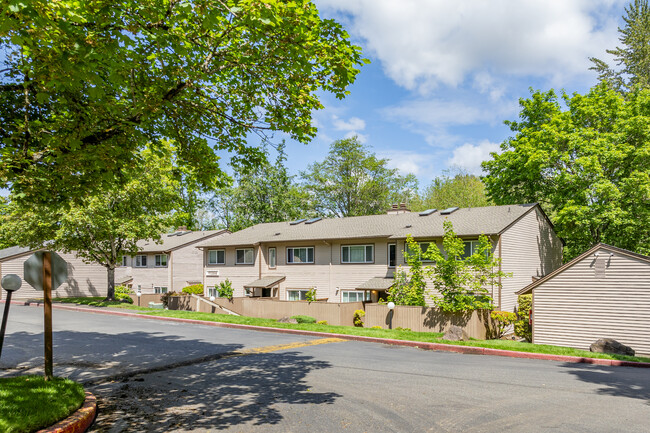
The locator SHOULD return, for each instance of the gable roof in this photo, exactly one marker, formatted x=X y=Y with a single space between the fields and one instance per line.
x=581 y=257
x=468 y=222
x=178 y=239
x=10 y=252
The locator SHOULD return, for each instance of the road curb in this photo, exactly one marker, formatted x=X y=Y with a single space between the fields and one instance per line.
x=441 y=347
x=79 y=421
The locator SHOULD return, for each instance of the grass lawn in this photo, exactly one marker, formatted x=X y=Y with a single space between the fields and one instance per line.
x=96 y=302
x=428 y=337
x=29 y=403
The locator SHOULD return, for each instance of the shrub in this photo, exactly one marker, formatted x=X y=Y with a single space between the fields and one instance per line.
x=304 y=319
x=523 y=329
x=310 y=296
x=358 y=314
x=322 y=322
x=165 y=297
x=501 y=320
x=225 y=289
x=195 y=289
x=122 y=294
x=399 y=328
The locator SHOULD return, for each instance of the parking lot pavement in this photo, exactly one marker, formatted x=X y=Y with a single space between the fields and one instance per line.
x=154 y=379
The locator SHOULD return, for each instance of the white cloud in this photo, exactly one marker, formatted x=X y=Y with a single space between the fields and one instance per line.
x=469 y=156
x=409 y=162
x=425 y=43
x=361 y=137
x=352 y=124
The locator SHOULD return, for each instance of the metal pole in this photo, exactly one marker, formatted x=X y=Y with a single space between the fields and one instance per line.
x=4 y=320
x=47 y=290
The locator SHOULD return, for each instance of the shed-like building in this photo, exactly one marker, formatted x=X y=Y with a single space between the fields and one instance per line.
x=603 y=293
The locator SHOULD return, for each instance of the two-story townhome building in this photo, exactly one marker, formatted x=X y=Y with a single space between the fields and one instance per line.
x=167 y=265
x=355 y=258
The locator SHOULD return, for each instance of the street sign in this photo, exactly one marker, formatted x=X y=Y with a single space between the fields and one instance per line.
x=33 y=269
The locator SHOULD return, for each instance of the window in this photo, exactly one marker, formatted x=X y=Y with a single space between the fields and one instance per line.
x=141 y=261
x=392 y=255
x=161 y=260
x=158 y=289
x=124 y=260
x=212 y=291
x=470 y=248
x=297 y=295
x=423 y=247
x=357 y=254
x=244 y=256
x=272 y=258
x=355 y=296
x=217 y=257
x=300 y=255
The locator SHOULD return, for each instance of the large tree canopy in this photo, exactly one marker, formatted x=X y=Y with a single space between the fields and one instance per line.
x=352 y=181
x=454 y=187
x=102 y=227
x=84 y=85
x=589 y=166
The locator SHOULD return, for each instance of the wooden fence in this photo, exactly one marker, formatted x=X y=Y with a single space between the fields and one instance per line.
x=146 y=298
x=427 y=319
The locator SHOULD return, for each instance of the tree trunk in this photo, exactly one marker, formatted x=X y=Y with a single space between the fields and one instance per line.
x=110 y=294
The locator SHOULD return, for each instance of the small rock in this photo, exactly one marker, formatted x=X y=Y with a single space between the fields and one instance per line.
x=287 y=320
x=455 y=333
x=609 y=345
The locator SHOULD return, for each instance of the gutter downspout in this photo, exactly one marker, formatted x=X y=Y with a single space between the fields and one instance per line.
x=170 y=272
x=500 y=259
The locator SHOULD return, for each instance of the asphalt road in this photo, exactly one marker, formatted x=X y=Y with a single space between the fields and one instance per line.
x=169 y=377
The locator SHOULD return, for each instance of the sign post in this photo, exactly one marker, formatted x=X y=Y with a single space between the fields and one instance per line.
x=46 y=270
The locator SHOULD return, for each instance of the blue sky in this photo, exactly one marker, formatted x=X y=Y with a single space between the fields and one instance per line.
x=444 y=75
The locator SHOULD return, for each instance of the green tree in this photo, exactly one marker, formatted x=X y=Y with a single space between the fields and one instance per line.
x=262 y=194
x=454 y=188
x=85 y=84
x=410 y=284
x=633 y=58
x=588 y=165
x=103 y=227
x=463 y=281
x=352 y=181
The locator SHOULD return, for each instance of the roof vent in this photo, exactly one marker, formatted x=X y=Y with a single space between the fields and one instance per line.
x=277 y=234
x=408 y=226
x=397 y=209
x=313 y=220
x=427 y=212
x=296 y=222
x=449 y=210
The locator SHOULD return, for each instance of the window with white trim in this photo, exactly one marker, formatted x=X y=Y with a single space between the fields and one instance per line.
x=160 y=260
x=160 y=289
x=273 y=259
x=124 y=260
x=217 y=257
x=357 y=254
x=471 y=247
x=244 y=256
x=300 y=255
x=355 y=295
x=213 y=291
x=297 y=294
x=141 y=261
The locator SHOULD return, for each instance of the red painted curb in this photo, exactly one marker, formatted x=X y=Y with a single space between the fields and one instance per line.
x=441 y=347
x=79 y=421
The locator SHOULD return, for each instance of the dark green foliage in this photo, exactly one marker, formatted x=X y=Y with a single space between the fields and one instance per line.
x=352 y=181
x=195 y=289
x=522 y=325
x=304 y=319
x=409 y=284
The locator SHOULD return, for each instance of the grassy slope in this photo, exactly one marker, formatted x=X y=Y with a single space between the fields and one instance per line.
x=28 y=403
x=429 y=337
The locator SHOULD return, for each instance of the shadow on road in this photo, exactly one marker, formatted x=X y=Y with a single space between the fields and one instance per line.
x=215 y=395
x=616 y=381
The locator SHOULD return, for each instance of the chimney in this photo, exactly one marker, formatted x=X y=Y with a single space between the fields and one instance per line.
x=397 y=209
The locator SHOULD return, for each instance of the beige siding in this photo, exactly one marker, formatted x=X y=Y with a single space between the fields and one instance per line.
x=186 y=267
x=83 y=279
x=529 y=248
x=581 y=304
x=147 y=277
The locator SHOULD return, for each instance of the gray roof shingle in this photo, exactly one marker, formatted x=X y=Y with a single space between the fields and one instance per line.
x=466 y=221
x=171 y=241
